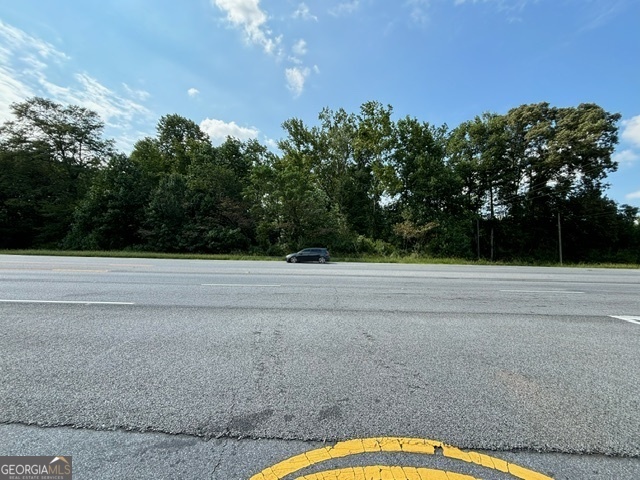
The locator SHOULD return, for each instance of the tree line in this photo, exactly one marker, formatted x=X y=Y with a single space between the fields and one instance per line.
x=499 y=187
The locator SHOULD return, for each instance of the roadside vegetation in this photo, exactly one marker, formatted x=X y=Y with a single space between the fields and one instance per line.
x=404 y=259
x=517 y=188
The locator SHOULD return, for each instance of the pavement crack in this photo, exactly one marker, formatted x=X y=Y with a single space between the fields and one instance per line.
x=221 y=456
x=315 y=441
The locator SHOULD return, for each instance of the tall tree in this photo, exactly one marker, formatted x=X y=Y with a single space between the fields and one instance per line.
x=111 y=215
x=347 y=155
x=529 y=166
x=28 y=194
x=429 y=192
x=560 y=156
x=372 y=170
x=179 y=140
x=54 y=151
x=166 y=215
x=560 y=152
x=477 y=152
x=219 y=214
x=204 y=183
x=72 y=134
x=290 y=207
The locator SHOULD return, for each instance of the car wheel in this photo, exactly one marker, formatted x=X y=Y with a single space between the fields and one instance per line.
x=322 y=260
x=293 y=260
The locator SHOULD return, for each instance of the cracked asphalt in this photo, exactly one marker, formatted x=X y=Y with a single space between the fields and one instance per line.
x=210 y=369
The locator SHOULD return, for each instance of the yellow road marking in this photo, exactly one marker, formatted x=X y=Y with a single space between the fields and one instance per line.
x=383 y=472
x=392 y=444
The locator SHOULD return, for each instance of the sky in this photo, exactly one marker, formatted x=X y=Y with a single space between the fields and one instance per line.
x=243 y=67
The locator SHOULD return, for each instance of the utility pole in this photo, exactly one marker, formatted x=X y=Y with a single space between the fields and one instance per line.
x=559 y=238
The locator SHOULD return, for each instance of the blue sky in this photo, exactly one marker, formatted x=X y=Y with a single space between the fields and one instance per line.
x=242 y=67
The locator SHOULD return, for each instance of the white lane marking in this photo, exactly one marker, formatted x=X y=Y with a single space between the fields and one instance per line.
x=236 y=285
x=635 y=320
x=130 y=265
x=77 y=270
x=540 y=291
x=73 y=302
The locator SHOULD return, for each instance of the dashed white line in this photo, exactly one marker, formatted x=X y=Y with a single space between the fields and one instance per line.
x=76 y=270
x=69 y=302
x=541 y=291
x=635 y=320
x=236 y=285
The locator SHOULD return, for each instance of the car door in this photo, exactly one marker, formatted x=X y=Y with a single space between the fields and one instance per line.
x=305 y=255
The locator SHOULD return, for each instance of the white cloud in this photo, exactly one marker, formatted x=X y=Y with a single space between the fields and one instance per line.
x=193 y=92
x=296 y=78
x=271 y=143
x=300 y=48
x=631 y=132
x=304 y=13
x=632 y=196
x=626 y=157
x=139 y=94
x=27 y=63
x=114 y=109
x=510 y=7
x=15 y=39
x=219 y=130
x=503 y=4
x=345 y=8
x=20 y=53
x=12 y=90
x=419 y=10
x=247 y=15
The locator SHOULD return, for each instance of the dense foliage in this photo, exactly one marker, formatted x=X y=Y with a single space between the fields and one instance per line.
x=499 y=187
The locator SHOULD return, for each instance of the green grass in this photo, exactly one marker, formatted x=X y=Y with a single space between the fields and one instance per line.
x=405 y=259
x=133 y=254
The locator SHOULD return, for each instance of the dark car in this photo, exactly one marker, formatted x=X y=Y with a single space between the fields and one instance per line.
x=309 y=255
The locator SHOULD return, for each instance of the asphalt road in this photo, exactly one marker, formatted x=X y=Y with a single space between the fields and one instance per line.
x=211 y=369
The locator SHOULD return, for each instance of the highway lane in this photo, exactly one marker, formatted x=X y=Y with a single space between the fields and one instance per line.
x=498 y=359
x=432 y=288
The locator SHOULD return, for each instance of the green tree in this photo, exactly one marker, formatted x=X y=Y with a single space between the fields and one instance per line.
x=72 y=134
x=52 y=152
x=290 y=208
x=179 y=141
x=111 y=215
x=521 y=170
x=371 y=175
x=560 y=157
x=477 y=153
x=27 y=186
x=347 y=158
x=428 y=194
x=220 y=219
x=166 y=215
x=147 y=156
